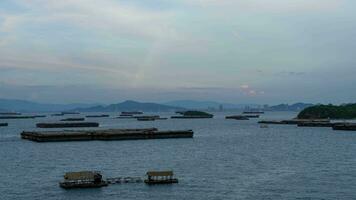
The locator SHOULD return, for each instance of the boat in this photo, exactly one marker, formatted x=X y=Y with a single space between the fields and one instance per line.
x=83 y=179
x=160 y=177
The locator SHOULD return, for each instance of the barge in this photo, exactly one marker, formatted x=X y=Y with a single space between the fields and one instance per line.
x=83 y=179
x=67 y=125
x=96 y=116
x=72 y=119
x=237 y=117
x=160 y=177
x=345 y=127
x=17 y=117
x=294 y=121
x=10 y=113
x=132 y=113
x=108 y=134
x=4 y=124
x=253 y=112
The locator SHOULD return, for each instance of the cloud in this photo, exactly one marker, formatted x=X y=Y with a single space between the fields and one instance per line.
x=270 y=5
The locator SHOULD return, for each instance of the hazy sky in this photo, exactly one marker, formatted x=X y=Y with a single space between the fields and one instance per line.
x=237 y=51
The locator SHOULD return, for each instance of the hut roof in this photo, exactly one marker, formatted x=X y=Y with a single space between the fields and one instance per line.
x=160 y=173
x=83 y=175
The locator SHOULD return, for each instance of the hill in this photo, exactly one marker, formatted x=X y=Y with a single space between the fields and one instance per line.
x=346 y=111
x=202 y=105
x=293 y=107
x=130 y=106
x=29 y=106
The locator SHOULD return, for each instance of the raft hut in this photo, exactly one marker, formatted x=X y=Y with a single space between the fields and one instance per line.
x=106 y=135
x=83 y=179
x=160 y=177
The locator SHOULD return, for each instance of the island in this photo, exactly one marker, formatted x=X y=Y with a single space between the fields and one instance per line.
x=345 y=111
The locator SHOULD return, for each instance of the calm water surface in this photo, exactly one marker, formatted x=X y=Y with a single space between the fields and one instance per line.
x=227 y=159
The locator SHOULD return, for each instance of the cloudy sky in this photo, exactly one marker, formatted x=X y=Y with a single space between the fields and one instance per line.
x=237 y=51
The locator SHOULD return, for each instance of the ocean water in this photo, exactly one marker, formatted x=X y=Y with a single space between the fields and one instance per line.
x=226 y=159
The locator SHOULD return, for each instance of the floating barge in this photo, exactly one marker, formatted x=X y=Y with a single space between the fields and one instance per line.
x=109 y=134
x=149 y=118
x=160 y=177
x=17 y=117
x=316 y=124
x=132 y=113
x=96 y=116
x=4 y=124
x=72 y=119
x=84 y=179
x=56 y=115
x=294 y=121
x=67 y=125
x=253 y=112
x=237 y=117
x=345 y=127
x=10 y=113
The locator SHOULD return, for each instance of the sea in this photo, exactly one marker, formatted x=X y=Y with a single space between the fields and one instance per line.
x=226 y=159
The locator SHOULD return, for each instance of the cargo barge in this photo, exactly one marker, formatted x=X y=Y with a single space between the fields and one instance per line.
x=160 y=177
x=67 y=125
x=237 y=117
x=96 y=116
x=108 y=134
x=72 y=119
x=84 y=179
x=17 y=117
x=345 y=127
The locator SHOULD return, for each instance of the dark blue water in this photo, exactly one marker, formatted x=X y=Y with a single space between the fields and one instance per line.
x=227 y=159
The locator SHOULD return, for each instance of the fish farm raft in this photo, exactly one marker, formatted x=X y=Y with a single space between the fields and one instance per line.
x=108 y=134
x=67 y=125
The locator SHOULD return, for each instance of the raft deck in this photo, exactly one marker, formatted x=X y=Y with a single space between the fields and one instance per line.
x=109 y=134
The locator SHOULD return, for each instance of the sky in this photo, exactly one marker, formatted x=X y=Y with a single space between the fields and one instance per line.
x=234 y=51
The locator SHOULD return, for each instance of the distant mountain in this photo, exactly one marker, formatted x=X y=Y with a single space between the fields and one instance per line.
x=29 y=106
x=130 y=106
x=293 y=107
x=201 y=105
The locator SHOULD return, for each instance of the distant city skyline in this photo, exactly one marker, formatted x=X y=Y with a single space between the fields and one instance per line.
x=233 y=51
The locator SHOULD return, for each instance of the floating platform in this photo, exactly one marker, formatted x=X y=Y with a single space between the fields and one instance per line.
x=160 y=177
x=4 y=124
x=316 y=124
x=252 y=116
x=109 y=134
x=294 y=121
x=56 y=115
x=72 y=119
x=17 y=117
x=237 y=117
x=150 y=118
x=96 y=116
x=132 y=113
x=83 y=179
x=253 y=112
x=10 y=113
x=192 y=117
x=345 y=126
x=67 y=125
